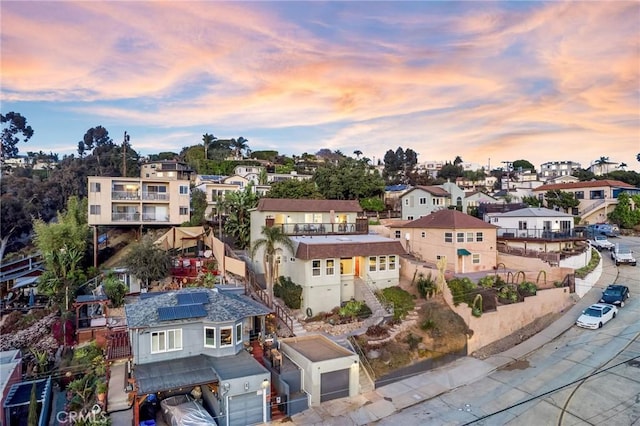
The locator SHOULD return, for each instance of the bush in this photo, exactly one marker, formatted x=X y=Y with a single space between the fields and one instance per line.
x=289 y=292
x=490 y=281
x=402 y=301
x=115 y=290
x=427 y=286
x=427 y=324
x=527 y=288
x=462 y=290
x=586 y=270
x=413 y=341
x=351 y=309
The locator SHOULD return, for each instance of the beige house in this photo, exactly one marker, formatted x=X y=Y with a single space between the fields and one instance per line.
x=467 y=243
x=161 y=196
x=597 y=197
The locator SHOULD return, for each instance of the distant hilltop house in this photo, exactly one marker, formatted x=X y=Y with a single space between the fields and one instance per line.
x=424 y=200
x=554 y=169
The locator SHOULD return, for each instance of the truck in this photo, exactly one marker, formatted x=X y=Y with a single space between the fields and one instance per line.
x=622 y=254
x=600 y=242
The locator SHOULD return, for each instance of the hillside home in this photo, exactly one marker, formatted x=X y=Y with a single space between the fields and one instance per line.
x=554 y=169
x=475 y=199
x=335 y=258
x=196 y=337
x=160 y=197
x=597 y=197
x=423 y=200
x=468 y=243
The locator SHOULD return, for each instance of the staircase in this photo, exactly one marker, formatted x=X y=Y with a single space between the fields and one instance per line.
x=378 y=311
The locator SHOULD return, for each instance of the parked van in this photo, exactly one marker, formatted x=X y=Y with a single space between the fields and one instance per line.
x=604 y=229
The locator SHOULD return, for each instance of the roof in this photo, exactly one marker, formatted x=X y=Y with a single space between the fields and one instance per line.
x=533 y=212
x=304 y=205
x=240 y=365
x=433 y=190
x=584 y=184
x=174 y=374
x=394 y=188
x=334 y=246
x=316 y=347
x=20 y=393
x=449 y=219
x=220 y=307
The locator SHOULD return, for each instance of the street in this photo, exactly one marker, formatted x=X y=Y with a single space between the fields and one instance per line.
x=584 y=377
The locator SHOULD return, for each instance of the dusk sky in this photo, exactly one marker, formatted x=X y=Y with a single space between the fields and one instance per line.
x=486 y=81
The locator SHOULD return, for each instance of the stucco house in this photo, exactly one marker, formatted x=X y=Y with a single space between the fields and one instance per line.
x=468 y=243
x=423 y=200
x=196 y=337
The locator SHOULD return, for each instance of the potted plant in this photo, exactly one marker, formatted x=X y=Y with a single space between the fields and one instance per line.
x=101 y=390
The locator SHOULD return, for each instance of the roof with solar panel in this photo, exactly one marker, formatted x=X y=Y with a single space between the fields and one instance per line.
x=191 y=304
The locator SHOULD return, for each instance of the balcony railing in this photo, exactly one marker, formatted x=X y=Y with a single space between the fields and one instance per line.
x=155 y=196
x=136 y=217
x=324 y=228
x=540 y=234
x=124 y=195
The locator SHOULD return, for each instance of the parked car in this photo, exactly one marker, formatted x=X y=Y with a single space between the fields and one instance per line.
x=621 y=254
x=615 y=294
x=604 y=229
x=597 y=315
x=600 y=242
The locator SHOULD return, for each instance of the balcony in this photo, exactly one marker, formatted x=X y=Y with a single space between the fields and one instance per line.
x=155 y=196
x=358 y=227
x=540 y=234
x=136 y=218
x=125 y=195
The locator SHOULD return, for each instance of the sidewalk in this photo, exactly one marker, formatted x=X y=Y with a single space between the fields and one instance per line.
x=387 y=400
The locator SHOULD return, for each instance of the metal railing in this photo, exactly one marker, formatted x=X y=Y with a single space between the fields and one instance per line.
x=386 y=304
x=364 y=361
x=541 y=234
x=155 y=196
x=323 y=228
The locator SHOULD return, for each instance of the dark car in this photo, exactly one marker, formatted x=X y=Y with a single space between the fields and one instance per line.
x=615 y=294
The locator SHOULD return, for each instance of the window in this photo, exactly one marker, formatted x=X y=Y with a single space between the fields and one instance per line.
x=184 y=190
x=398 y=234
x=383 y=263
x=422 y=201
x=406 y=201
x=448 y=237
x=423 y=234
x=392 y=263
x=372 y=264
x=94 y=187
x=315 y=268
x=209 y=337
x=94 y=209
x=184 y=211
x=579 y=195
x=238 y=333
x=475 y=258
x=165 y=341
x=479 y=237
x=226 y=338
x=596 y=195
x=409 y=217
x=331 y=267
x=522 y=224
x=494 y=219
x=469 y=237
x=460 y=237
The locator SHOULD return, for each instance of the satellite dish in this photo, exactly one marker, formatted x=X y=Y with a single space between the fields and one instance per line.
x=208 y=253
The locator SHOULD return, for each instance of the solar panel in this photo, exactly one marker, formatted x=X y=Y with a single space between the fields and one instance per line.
x=170 y=313
x=191 y=298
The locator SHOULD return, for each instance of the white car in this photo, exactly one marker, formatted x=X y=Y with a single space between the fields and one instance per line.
x=596 y=315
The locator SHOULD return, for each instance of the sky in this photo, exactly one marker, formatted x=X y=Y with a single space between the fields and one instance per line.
x=490 y=82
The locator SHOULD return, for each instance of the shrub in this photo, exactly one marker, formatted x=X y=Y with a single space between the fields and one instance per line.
x=427 y=324
x=461 y=290
x=413 y=341
x=115 y=290
x=289 y=292
x=527 y=288
x=489 y=281
x=508 y=294
x=402 y=301
x=586 y=270
x=351 y=309
x=427 y=286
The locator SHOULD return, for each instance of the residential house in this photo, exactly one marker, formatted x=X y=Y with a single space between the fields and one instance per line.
x=423 y=200
x=335 y=259
x=10 y=374
x=597 y=197
x=485 y=184
x=18 y=399
x=602 y=167
x=467 y=243
x=554 y=169
x=161 y=196
x=476 y=198
x=196 y=337
x=433 y=167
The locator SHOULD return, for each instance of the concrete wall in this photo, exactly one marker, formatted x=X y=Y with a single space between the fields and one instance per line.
x=493 y=326
x=531 y=266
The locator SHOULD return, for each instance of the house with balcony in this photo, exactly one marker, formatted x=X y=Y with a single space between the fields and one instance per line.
x=554 y=169
x=160 y=197
x=467 y=243
x=194 y=341
x=423 y=200
x=597 y=197
x=335 y=258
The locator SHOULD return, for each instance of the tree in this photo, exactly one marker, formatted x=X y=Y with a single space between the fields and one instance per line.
x=350 y=179
x=357 y=153
x=372 y=204
x=623 y=166
x=239 y=145
x=523 y=165
x=532 y=201
x=207 y=140
x=115 y=290
x=561 y=199
x=626 y=214
x=271 y=242
x=14 y=126
x=237 y=206
x=450 y=171
x=293 y=188
x=457 y=161
x=198 y=207
x=148 y=262
x=34 y=410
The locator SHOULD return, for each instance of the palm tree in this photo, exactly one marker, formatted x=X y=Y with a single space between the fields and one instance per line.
x=622 y=166
x=273 y=239
x=238 y=204
x=207 y=140
x=239 y=145
x=357 y=153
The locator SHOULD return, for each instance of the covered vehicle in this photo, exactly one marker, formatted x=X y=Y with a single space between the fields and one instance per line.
x=615 y=294
x=596 y=315
x=183 y=410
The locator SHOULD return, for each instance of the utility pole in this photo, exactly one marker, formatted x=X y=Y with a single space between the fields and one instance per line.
x=124 y=154
x=508 y=163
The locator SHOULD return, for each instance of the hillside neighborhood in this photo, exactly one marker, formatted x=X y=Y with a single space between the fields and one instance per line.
x=257 y=312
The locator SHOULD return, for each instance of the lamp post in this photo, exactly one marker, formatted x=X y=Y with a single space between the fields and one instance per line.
x=265 y=386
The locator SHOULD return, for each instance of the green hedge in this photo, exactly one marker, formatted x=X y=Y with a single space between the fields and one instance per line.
x=586 y=270
x=289 y=292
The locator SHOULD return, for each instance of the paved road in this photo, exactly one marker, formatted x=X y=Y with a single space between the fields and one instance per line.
x=583 y=377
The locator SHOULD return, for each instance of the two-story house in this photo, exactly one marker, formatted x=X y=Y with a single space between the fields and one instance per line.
x=196 y=337
x=597 y=197
x=335 y=258
x=554 y=169
x=159 y=197
x=467 y=243
x=423 y=200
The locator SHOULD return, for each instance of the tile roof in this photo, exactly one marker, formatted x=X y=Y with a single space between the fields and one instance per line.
x=584 y=184
x=326 y=247
x=533 y=212
x=304 y=205
x=449 y=219
x=222 y=307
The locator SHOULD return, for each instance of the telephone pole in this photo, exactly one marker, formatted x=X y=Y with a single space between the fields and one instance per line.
x=124 y=154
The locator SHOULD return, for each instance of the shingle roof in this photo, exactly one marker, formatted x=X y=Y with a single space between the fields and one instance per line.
x=222 y=307
x=533 y=212
x=449 y=219
x=584 y=184
x=345 y=246
x=433 y=190
x=300 y=205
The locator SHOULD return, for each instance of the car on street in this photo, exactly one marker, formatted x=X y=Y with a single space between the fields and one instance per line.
x=615 y=294
x=621 y=254
x=600 y=242
x=597 y=315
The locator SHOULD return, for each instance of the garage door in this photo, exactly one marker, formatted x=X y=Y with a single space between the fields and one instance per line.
x=245 y=409
x=334 y=385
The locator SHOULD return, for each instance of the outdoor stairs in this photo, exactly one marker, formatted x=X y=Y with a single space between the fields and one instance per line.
x=258 y=353
x=378 y=313
x=117 y=396
x=298 y=329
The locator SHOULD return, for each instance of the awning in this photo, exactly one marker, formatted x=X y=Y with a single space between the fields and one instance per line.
x=464 y=252
x=25 y=282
